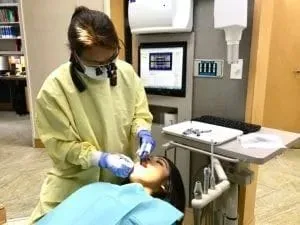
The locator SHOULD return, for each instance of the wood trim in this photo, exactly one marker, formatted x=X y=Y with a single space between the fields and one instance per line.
x=253 y=59
x=247 y=197
x=117 y=16
x=38 y=143
x=3 y=218
x=135 y=57
x=256 y=93
x=259 y=60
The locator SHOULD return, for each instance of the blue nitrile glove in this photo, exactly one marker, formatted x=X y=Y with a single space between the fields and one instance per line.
x=119 y=164
x=147 y=144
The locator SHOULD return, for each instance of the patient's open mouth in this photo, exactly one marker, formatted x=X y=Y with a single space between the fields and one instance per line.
x=145 y=162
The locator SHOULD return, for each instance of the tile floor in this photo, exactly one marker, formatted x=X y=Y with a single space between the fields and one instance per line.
x=278 y=192
x=23 y=169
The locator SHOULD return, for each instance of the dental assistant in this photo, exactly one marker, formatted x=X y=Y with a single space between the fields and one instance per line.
x=90 y=112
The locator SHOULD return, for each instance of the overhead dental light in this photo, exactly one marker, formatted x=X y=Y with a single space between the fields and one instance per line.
x=160 y=16
x=231 y=15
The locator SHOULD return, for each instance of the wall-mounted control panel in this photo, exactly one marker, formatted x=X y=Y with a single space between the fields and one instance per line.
x=212 y=68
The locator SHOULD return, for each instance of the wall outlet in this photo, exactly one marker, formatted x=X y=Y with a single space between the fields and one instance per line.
x=236 y=70
x=212 y=68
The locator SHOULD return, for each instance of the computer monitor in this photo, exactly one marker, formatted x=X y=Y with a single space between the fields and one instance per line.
x=162 y=68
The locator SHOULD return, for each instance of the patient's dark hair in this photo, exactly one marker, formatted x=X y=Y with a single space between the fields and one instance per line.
x=175 y=193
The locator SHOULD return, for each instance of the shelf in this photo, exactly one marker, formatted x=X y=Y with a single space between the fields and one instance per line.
x=13 y=38
x=9 y=5
x=9 y=23
x=11 y=53
x=6 y=106
x=13 y=77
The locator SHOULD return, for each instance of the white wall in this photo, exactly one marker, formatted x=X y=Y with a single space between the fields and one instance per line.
x=92 y=4
x=45 y=26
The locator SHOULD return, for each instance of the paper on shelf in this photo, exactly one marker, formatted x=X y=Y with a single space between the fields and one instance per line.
x=264 y=141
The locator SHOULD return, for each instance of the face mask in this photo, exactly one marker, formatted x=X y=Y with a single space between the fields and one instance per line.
x=100 y=72
x=97 y=73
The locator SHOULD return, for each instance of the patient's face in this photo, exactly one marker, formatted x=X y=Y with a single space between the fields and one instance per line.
x=151 y=174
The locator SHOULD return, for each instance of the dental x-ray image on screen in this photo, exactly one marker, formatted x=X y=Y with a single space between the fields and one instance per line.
x=162 y=68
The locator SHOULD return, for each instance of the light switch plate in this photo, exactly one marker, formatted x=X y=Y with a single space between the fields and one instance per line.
x=236 y=70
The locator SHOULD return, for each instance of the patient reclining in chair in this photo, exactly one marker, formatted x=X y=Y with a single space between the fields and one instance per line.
x=153 y=194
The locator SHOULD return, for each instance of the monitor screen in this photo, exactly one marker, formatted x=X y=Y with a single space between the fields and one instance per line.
x=162 y=68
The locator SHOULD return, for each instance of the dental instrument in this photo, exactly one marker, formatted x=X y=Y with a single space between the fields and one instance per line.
x=144 y=157
x=197 y=132
x=198 y=190
x=206 y=180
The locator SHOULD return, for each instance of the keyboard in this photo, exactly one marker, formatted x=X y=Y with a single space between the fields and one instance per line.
x=235 y=124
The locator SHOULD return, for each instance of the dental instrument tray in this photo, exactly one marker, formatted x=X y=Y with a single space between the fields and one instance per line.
x=202 y=132
x=235 y=124
x=199 y=135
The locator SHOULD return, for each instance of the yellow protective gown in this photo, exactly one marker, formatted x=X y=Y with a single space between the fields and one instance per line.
x=72 y=125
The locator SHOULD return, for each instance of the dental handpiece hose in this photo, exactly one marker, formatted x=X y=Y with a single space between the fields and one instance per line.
x=212 y=178
x=206 y=180
x=197 y=195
